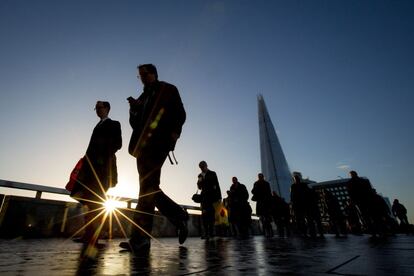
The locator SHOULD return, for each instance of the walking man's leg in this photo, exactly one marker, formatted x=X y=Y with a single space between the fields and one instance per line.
x=175 y=214
x=149 y=175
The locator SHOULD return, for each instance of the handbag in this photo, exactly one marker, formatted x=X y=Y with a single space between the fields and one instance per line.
x=221 y=214
x=196 y=197
x=74 y=175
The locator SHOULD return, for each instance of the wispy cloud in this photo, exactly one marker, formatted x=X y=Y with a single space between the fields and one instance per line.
x=343 y=167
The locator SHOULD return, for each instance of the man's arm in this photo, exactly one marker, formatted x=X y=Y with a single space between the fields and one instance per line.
x=117 y=136
x=245 y=193
x=199 y=182
x=178 y=112
x=216 y=185
x=135 y=110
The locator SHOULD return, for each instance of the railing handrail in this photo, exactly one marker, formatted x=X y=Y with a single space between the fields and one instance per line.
x=39 y=189
x=33 y=187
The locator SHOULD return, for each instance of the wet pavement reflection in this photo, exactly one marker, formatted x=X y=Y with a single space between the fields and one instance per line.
x=355 y=255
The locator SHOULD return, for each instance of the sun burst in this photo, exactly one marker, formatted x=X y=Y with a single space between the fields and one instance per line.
x=110 y=205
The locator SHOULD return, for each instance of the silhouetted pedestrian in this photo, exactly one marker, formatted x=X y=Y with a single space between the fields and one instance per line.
x=262 y=194
x=335 y=213
x=381 y=215
x=361 y=193
x=99 y=171
x=232 y=222
x=353 y=217
x=281 y=214
x=400 y=212
x=298 y=194
x=313 y=213
x=305 y=207
x=156 y=117
x=240 y=210
x=210 y=195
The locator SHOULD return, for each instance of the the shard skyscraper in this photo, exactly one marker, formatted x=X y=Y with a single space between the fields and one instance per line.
x=274 y=164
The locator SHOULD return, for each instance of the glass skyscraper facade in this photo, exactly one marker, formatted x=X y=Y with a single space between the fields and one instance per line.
x=273 y=161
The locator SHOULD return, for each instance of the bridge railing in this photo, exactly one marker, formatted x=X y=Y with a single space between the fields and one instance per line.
x=39 y=189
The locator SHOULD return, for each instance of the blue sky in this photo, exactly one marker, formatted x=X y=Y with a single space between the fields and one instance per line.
x=337 y=78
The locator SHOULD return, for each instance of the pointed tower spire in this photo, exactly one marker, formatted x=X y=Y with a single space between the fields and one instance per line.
x=274 y=164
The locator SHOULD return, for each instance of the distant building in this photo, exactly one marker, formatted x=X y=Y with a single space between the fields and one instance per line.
x=273 y=161
x=338 y=187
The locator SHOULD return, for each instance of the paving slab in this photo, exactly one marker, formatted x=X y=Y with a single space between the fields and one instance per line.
x=355 y=255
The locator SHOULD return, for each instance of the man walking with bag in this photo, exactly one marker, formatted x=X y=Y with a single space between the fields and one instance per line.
x=156 y=118
x=210 y=195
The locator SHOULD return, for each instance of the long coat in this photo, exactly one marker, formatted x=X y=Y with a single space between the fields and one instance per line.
x=99 y=170
x=299 y=197
x=210 y=188
x=262 y=194
x=240 y=210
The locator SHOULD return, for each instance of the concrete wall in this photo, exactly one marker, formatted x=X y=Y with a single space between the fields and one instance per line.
x=42 y=218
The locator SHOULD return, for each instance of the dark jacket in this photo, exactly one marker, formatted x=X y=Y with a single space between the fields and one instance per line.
x=240 y=210
x=210 y=187
x=332 y=206
x=157 y=114
x=360 y=191
x=262 y=194
x=100 y=158
x=399 y=210
x=238 y=195
x=299 y=193
x=280 y=209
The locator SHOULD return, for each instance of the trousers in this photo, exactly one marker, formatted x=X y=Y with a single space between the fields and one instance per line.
x=149 y=166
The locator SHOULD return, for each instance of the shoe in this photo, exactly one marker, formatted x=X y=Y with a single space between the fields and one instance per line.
x=140 y=246
x=182 y=232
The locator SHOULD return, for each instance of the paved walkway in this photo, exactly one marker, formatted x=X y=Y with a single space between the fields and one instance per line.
x=355 y=255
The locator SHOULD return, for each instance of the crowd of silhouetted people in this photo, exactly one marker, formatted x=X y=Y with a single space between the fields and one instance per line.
x=156 y=117
x=310 y=213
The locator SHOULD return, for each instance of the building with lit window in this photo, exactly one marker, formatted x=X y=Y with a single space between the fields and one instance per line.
x=339 y=188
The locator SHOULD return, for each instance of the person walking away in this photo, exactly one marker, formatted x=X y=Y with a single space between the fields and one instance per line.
x=336 y=216
x=313 y=213
x=262 y=194
x=400 y=212
x=361 y=193
x=353 y=218
x=281 y=214
x=240 y=208
x=298 y=200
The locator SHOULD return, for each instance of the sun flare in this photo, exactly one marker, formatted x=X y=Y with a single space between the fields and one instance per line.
x=110 y=205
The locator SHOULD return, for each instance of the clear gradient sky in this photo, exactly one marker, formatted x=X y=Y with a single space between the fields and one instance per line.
x=337 y=78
